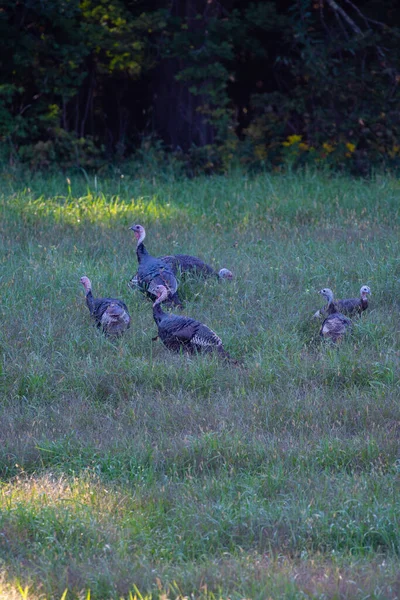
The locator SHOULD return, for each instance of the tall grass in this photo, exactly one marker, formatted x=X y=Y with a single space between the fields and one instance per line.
x=126 y=470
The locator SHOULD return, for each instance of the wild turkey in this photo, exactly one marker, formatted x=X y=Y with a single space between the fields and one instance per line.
x=184 y=263
x=336 y=324
x=183 y=333
x=153 y=271
x=110 y=314
x=347 y=306
x=351 y=306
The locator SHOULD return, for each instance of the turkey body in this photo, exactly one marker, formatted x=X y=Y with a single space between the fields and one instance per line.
x=110 y=314
x=153 y=271
x=352 y=306
x=185 y=263
x=181 y=264
x=335 y=326
x=179 y=333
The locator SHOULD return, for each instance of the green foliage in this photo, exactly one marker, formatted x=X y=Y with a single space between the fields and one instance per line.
x=344 y=97
x=57 y=56
x=79 y=82
x=62 y=148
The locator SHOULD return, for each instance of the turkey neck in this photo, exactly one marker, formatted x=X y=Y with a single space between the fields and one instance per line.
x=331 y=307
x=90 y=301
x=141 y=252
x=158 y=313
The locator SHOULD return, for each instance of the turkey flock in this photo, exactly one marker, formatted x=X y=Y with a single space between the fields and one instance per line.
x=158 y=278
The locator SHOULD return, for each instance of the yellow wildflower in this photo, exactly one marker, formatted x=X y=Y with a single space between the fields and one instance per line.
x=328 y=147
x=303 y=146
x=292 y=139
x=350 y=147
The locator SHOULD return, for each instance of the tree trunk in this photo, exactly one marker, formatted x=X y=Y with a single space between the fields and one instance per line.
x=177 y=116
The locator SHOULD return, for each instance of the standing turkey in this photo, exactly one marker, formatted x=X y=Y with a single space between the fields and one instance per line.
x=110 y=314
x=183 y=333
x=336 y=324
x=351 y=306
x=153 y=271
x=347 y=306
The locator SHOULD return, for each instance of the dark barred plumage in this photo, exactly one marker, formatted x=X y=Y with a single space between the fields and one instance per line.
x=183 y=333
x=110 y=314
x=181 y=264
x=185 y=263
x=335 y=326
x=351 y=306
x=153 y=271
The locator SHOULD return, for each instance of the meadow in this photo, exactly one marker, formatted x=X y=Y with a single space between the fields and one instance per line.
x=127 y=471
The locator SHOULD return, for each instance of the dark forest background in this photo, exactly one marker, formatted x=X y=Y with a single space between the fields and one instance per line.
x=208 y=83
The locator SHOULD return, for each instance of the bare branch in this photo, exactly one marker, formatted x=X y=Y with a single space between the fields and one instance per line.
x=364 y=17
x=322 y=18
x=342 y=27
x=339 y=10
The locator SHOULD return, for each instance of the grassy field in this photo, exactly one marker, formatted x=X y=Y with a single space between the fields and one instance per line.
x=128 y=471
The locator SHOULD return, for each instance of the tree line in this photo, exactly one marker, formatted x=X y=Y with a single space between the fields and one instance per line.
x=211 y=82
